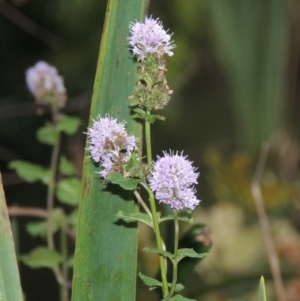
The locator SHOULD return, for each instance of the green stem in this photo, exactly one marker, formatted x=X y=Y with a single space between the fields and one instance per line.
x=175 y=260
x=148 y=142
x=64 y=251
x=141 y=201
x=154 y=212
x=50 y=205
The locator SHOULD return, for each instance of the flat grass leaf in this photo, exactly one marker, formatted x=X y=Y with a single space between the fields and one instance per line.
x=66 y=167
x=153 y=283
x=69 y=125
x=47 y=135
x=262 y=290
x=190 y=253
x=42 y=257
x=68 y=191
x=164 y=253
x=133 y=217
x=39 y=229
x=30 y=172
x=125 y=183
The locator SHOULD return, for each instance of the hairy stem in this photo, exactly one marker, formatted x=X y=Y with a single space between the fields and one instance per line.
x=141 y=201
x=154 y=212
x=175 y=260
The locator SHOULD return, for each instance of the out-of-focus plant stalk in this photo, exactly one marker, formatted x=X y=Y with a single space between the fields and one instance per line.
x=264 y=223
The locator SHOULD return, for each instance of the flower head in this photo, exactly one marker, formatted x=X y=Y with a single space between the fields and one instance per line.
x=172 y=181
x=110 y=145
x=46 y=85
x=149 y=37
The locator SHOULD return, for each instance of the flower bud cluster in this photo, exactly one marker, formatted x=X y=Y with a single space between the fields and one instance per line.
x=149 y=42
x=46 y=85
x=110 y=145
x=172 y=181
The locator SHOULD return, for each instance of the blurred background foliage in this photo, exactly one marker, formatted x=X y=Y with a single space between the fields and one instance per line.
x=235 y=76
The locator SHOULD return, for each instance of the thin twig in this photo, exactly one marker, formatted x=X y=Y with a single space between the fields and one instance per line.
x=27 y=211
x=141 y=201
x=264 y=223
x=35 y=212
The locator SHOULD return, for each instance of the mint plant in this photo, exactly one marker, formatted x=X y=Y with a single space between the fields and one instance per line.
x=171 y=178
x=48 y=89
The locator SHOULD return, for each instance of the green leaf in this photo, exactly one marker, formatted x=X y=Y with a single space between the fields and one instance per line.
x=134 y=217
x=42 y=257
x=97 y=230
x=152 y=117
x=47 y=135
x=262 y=290
x=69 y=125
x=70 y=262
x=66 y=167
x=189 y=220
x=39 y=229
x=190 y=253
x=30 y=172
x=132 y=162
x=179 y=287
x=178 y=298
x=164 y=253
x=10 y=287
x=125 y=183
x=153 y=283
x=68 y=191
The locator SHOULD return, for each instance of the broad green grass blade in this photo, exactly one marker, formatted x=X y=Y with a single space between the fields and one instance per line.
x=262 y=290
x=10 y=287
x=251 y=39
x=106 y=250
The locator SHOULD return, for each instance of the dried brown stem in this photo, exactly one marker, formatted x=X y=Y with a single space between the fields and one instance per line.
x=264 y=223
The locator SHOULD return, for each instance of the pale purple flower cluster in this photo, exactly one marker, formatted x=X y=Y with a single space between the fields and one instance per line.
x=110 y=145
x=44 y=82
x=149 y=37
x=172 y=181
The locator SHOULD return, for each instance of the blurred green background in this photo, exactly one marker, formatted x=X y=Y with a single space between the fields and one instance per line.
x=235 y=75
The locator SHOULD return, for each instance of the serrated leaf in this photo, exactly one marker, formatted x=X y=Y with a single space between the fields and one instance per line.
x=70 y=262
x=68 y=191
x=132 y=162
x=47 y=135
x=178 y=298
x=190 y=253
x=153 y=283
x=133 y=217
x=30 y=172
x=262 y=290
x=42 y=257
x=39 y=229
x=139 y=111
x=164 y=253
x=125 y=183
x=181 y=218
x=152 y=118
x=69 y=125
x=66 y=167
x=179 y=287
